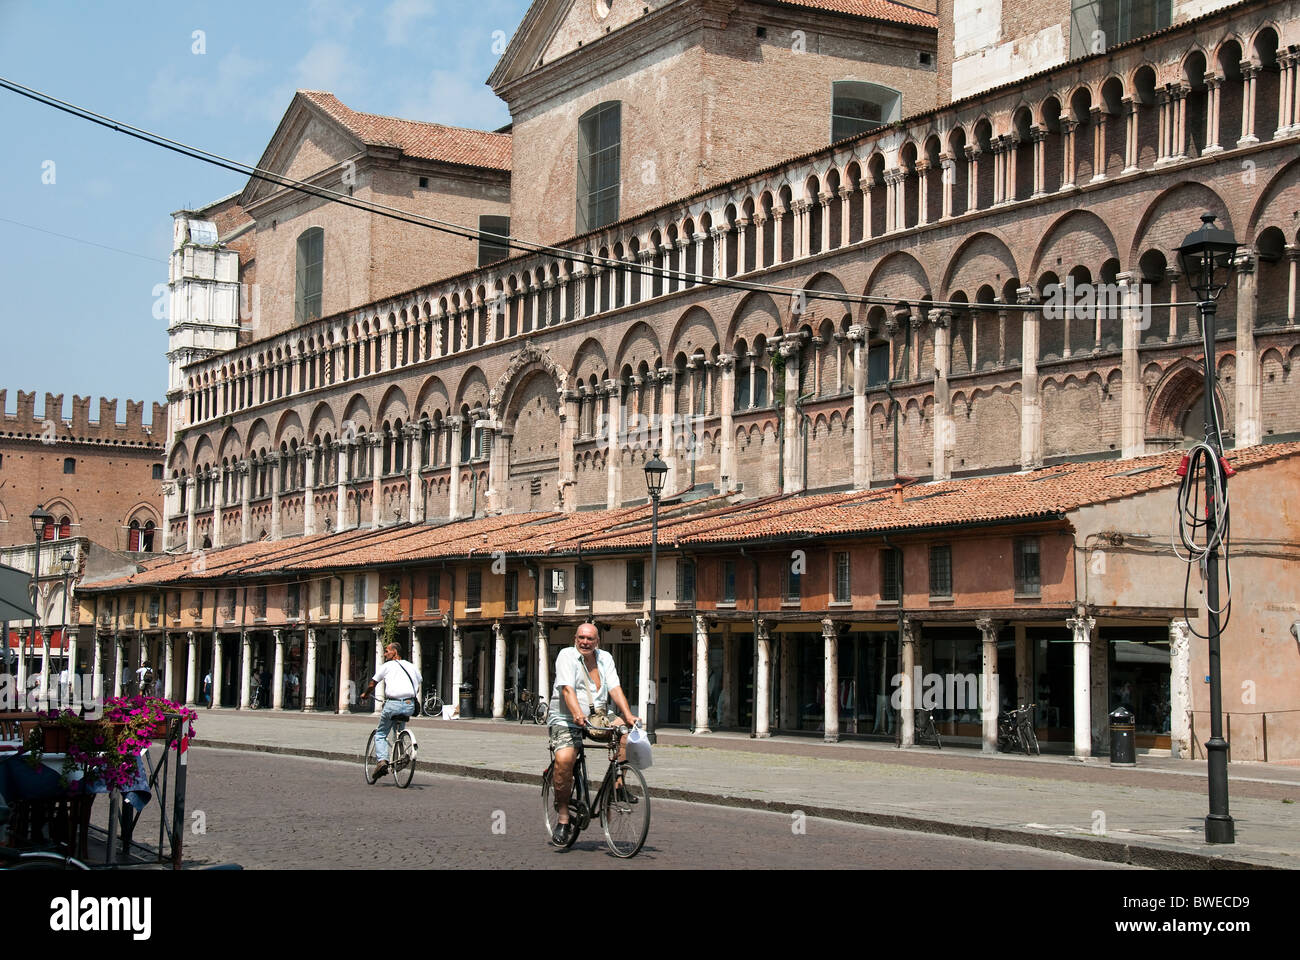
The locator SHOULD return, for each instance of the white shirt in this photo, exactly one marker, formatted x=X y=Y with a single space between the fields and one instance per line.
x=571 y=671
x=396 y=680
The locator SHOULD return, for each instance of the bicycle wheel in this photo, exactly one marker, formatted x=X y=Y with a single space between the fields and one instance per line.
x=549 y=815
x=625 y=814
x=371 y=762
x=403 y=759
x=1029 y=738
x=511 y=710
x=539 y=715
x=433 y=705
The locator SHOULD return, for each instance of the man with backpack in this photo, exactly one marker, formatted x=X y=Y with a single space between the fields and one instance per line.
x=401 y=680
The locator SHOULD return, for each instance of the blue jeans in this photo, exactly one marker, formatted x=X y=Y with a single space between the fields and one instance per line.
x=393 y=710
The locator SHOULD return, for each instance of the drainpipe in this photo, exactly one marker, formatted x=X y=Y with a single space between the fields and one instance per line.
x=753 y=708
x=410 y=577
x=694 y=660
x=448 y=626
x=338 y=667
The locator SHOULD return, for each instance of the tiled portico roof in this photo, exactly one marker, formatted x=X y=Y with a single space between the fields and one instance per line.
x=426 y=141
x=1045 y=494
x=873 y=9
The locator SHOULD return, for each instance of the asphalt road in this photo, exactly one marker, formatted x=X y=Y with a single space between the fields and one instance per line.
x=274 y=812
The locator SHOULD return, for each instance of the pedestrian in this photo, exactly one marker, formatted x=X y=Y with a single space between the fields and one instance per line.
x=207 y=689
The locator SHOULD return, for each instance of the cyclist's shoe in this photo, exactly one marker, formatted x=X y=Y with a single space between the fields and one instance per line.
x=563 y=834
x=380 y=770
x=621 y=794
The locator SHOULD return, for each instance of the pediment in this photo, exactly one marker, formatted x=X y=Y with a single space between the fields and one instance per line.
x=306 y=142
x=552 y=29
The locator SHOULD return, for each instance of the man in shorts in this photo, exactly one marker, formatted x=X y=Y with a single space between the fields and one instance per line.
x=585 y=678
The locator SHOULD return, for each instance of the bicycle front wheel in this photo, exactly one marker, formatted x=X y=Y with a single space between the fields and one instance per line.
x=403 y=759
x=511 y=710
x=371 y=761
x=1030 y=739
x=540 y=715
x=625 y=814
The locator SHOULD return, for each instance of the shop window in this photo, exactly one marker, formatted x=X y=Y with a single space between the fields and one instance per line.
x=728 y=581
x=474 y=590
x=582 y=580
x=310 y=275
x=69 y=465
x=890 y=587
x=857 y=107
x=599 y=153
x=494 y=248
x=842 y=587
x=1028 y=578
x=685 y=581
x=941 y=570
x=791 y=584
x=512 y=591
x=635 y=582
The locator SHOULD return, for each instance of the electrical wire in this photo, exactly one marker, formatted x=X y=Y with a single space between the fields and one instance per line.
x=501 y=240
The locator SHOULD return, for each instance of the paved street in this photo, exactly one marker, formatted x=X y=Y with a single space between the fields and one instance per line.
x=1150 y=815
x=285 y=812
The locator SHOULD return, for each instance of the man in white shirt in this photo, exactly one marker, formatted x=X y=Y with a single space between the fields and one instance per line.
x=585 y=679
x=401 y=682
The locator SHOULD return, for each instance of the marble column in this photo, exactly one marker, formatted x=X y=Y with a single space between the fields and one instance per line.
x=277 y=470
x=1031 y=412
x=989 y=683
x=216 y=669
x=1249 y=421
x=1180 y=690
x=701 y=674
x=309 y=492
x=377 y=704
x=1081 y=628
x=642 y=705
x=1135 y=319
x=831 y=679
x=345 y=672
x=191 y=668
x=861 y=429
x=277 y=672
x=309 y=674
x=499 y=673
x=907 y=719
x=763 y=682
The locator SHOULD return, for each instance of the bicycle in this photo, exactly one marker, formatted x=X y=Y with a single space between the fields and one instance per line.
x=402 y=748
x=510 y=709
x=433 y=704
x=255 y=697
x=1016 y=731
x=624 y=811
x=532 y=707
x=925 y=728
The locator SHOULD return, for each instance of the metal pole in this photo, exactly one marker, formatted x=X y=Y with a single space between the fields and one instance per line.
x=36 y=622
x=1219 y=827
x=654 y=596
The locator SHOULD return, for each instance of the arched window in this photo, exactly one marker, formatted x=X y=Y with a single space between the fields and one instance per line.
x=65 y=527
x=857 y=106
x=133 y=537
x=310 y=275
x=599 y=156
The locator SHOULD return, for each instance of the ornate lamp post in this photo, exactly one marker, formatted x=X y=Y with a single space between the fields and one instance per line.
x=40 y=518
x=1206 y=252
x=66 y=563
x=656 y=472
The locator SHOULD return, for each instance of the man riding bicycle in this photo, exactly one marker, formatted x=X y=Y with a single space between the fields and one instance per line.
x=586 y=680
x=401 y=680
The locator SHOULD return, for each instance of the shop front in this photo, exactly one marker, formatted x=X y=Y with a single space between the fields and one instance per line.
x=1138 y=675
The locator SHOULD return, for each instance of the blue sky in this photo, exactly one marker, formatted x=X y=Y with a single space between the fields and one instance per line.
x=78 y=318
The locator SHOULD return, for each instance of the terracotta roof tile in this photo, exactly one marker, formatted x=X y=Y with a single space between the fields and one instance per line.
x=427 y=141
x=873 y=9
x=713 y=521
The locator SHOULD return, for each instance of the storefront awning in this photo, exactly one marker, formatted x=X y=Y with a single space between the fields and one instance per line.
x=15 y=595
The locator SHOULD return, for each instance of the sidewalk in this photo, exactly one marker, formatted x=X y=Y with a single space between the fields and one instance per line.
x=1150 y=816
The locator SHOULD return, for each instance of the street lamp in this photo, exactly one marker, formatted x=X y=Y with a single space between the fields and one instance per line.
x=66 y=563
x=1206 y=251
x=656 y=472
x=40 y=518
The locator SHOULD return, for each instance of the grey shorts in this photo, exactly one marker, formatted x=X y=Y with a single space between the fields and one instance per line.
x=563 y=736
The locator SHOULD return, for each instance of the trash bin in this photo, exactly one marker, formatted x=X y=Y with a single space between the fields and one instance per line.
x=1122 y=752
x=467 y=701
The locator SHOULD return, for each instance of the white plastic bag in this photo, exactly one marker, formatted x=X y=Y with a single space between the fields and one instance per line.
x=638 y=748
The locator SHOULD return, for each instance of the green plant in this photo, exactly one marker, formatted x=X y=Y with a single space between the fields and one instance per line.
x=392 y=614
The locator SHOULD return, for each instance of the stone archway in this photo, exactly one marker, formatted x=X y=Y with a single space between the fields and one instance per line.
x=532 y=450
x=1175 y=411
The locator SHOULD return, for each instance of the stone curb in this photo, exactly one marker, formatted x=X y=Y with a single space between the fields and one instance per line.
x=1107 y=851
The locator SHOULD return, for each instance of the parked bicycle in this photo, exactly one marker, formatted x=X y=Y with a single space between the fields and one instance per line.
x=1016 y=731
x=926 y=731
x=433 y=704
x=402 y=748
x=624 y=810
x=532 y=708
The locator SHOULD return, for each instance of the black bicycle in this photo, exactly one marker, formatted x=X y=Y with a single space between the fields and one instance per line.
x=531 y=708
x=624 y=808
x=926 y=731
x=1016 y=731
x=401 y=754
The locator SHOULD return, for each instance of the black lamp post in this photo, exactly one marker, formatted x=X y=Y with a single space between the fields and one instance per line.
x=1208 y=251
x=656 y=472
x=40 y=518
x=66 y=563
